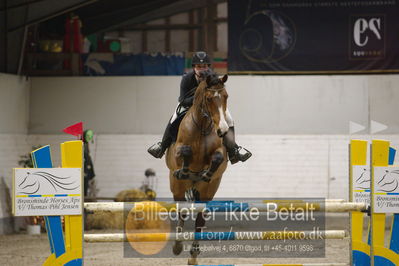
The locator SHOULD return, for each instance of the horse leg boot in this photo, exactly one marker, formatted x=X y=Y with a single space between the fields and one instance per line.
x=217 y=160
x=158 y=149
x=195 y=250
x=186 y=153
x=236 y=153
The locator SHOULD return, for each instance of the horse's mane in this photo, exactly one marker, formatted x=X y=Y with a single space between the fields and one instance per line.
x=213 y=81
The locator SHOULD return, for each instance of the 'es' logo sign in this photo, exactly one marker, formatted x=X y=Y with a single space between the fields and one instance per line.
x=367 y=37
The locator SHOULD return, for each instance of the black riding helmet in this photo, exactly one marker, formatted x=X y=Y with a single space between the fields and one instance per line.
x=200 y=58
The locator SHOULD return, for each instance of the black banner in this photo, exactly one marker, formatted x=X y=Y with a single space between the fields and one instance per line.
x=314 y=36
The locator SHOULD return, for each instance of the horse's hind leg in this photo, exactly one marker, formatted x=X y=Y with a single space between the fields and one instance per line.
x=186 y=153
x=217 y=159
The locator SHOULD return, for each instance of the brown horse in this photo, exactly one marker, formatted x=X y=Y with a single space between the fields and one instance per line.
x=198 y=159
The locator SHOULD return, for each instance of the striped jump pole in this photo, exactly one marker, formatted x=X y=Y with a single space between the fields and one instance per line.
x=302 y=264
x=328 y=206
x=211 y=236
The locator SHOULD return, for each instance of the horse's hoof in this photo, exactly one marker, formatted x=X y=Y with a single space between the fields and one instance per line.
x=194 y=251
x=192 y=261
x=177 y=248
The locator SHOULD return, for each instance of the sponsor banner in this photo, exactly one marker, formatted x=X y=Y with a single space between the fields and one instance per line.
x=361 y=183
x=386 y=189
x=47 y=191
x=313 y=36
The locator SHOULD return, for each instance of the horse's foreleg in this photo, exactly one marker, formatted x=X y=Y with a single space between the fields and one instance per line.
x=178 y=246
x=195 y=250
x=185 y=152
x=217 y=160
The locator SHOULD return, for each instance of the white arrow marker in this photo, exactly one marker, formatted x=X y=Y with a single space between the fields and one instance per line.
x=355 y=127
x=377 y=127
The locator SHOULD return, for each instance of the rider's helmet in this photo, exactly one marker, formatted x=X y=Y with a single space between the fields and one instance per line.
x=201 y=58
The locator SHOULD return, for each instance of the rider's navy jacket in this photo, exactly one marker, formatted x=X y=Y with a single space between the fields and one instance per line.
x=187 y=89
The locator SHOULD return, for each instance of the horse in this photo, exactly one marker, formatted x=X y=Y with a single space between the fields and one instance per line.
x=198 y=158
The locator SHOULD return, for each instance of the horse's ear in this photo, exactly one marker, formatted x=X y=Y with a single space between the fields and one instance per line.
x=208 y=81
x=224 y=79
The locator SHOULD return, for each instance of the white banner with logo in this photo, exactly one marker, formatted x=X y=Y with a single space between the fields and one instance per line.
x=386 y=189
x=361 y=183
x=47 y=191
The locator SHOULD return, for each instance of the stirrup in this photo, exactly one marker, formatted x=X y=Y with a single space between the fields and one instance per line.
x=156 y=150
x=239 y=154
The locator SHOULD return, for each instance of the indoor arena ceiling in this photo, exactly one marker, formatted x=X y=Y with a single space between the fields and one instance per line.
x=96 y=15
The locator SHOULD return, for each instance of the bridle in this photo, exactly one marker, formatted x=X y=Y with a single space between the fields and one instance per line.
x=206 y=114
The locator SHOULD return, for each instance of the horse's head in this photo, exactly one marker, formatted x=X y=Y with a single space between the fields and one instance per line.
x=215 y=101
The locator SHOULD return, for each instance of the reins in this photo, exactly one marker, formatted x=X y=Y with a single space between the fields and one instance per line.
x=206 y=114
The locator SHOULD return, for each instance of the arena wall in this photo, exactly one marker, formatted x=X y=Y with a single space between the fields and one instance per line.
x=259 y=104
x=14 y=109
x=296 y=127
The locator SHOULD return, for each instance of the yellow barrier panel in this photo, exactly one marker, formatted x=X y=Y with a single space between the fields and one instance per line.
x=357 y=156
x=71 y=157
x=379 y=157
x=380 y=254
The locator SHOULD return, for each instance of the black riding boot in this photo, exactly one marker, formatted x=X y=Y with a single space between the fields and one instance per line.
x=236 y=153
x=157 y=150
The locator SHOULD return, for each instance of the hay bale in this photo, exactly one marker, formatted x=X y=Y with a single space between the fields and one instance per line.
x=108 y=220
x=104 y=220
x=130 y=195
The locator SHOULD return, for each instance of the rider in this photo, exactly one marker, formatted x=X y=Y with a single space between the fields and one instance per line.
x=200 y=62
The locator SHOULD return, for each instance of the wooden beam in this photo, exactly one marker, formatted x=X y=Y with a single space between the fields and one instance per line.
x=220 y=20
x=211 y=27
x=167 y=35
x=52 y=10
x=3 y=40
x=35 y=72
x=201 y=30
x=118 y=10
x=191 y=31
x=23 y=4
x=75 y=64
x=163 y=27
x=164 y=11
x=144 y=41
